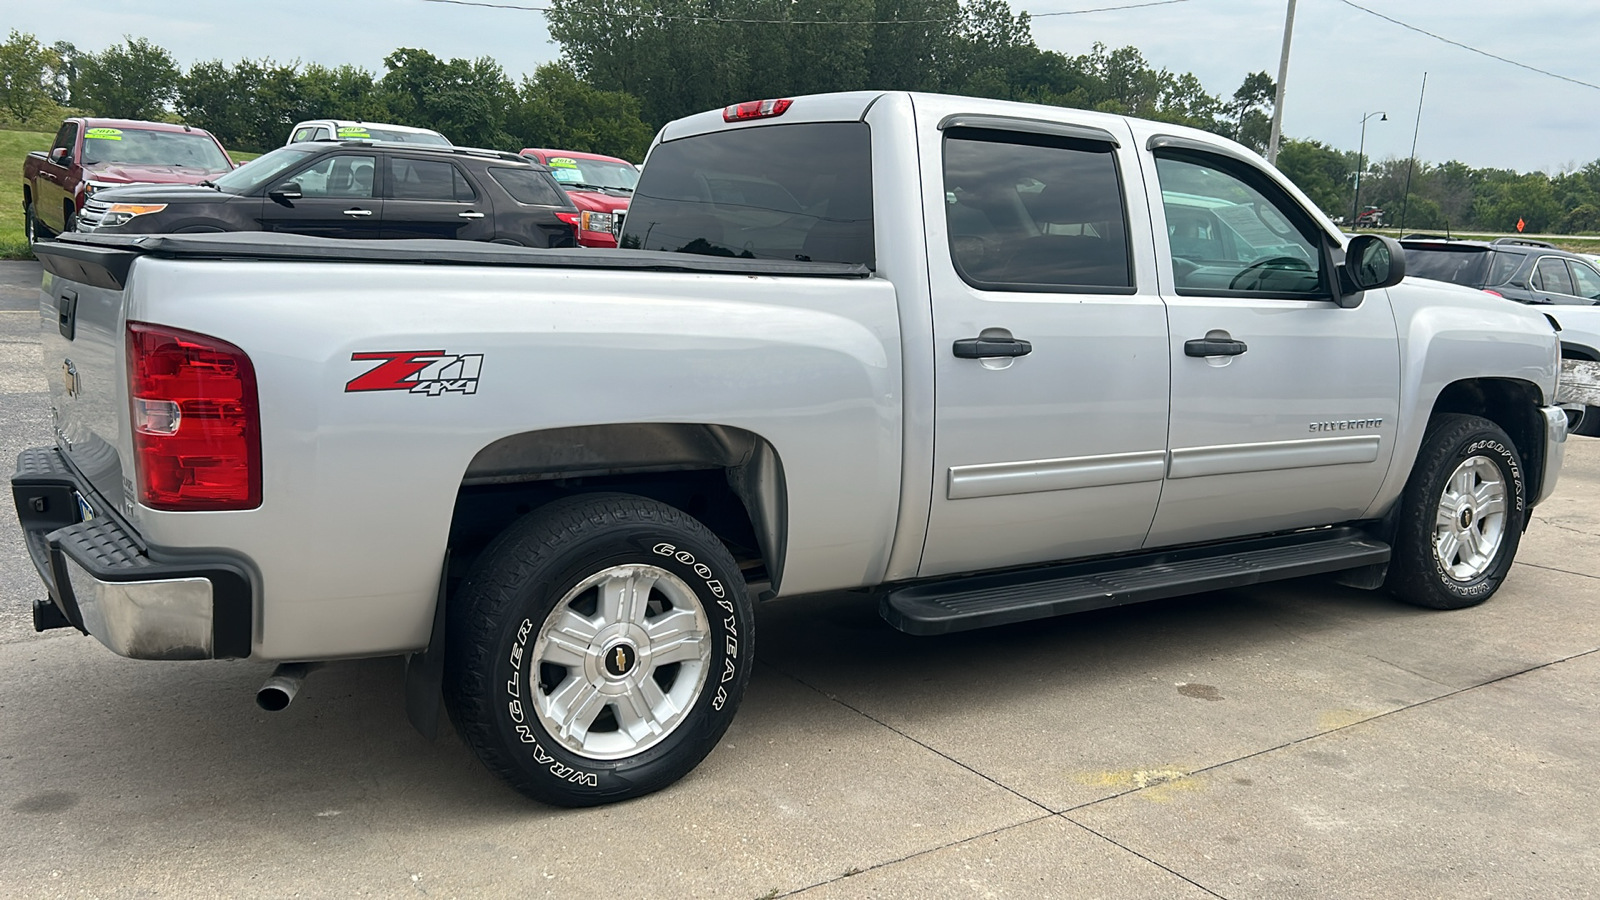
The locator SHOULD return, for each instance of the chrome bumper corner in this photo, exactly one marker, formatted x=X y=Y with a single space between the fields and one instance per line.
x=140 y=601
x=1555 y=447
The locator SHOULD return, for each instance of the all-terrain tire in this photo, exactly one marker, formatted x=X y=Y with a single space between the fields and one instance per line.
x=530 y=649
x=1468 y=478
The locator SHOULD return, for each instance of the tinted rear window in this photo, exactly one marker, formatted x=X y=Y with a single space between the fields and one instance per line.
x=790 y=192
x=529 y=186
x=1458 y=265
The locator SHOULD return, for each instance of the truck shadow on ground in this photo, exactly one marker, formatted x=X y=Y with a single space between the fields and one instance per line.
x=189 y=733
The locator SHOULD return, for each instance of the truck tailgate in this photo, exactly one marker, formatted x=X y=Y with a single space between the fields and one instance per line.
x=81 y=336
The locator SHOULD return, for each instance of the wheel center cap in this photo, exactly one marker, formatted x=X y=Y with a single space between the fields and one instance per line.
x=1466 y=516
x=619 y=659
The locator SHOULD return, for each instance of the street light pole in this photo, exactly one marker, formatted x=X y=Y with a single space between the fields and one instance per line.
x=1283 y=76
x=1361 y=157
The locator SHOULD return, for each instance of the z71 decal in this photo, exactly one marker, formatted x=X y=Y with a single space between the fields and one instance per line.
x=431 y=372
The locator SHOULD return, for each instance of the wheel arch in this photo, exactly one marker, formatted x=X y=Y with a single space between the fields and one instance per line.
x=729 y=478
x=1511 y=403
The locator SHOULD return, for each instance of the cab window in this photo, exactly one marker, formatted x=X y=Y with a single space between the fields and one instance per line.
x=1586 y=280
x=343 y=175
x=1231 y=235
x=1551 y=275
x=424 y=179
x=1034 y=212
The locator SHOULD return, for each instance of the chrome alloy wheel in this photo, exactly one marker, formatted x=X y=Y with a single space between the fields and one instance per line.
x=620 y=661
x=1471 y=520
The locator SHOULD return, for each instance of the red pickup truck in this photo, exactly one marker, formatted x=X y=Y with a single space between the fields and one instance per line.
x=91 y=154
x=600 y=186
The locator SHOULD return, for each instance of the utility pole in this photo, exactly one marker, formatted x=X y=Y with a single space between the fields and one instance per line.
x=1406 y=202
x=1283 y=76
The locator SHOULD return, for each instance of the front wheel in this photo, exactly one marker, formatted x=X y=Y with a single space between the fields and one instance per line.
x=31 y=229
x=598 y=649
x=1461 y=515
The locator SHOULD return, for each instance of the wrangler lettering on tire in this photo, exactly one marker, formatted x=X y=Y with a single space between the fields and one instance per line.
x=1461 y=515
x=598 y=649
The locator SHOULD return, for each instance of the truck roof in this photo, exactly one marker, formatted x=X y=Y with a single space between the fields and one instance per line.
x=140 y=124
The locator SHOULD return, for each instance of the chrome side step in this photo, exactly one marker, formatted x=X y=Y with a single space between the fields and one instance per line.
x=979 y=601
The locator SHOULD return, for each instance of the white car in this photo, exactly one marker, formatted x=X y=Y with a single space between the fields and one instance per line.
x=355 y=130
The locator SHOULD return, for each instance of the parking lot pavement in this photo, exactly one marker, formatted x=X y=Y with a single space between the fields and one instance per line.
x=1289 y=740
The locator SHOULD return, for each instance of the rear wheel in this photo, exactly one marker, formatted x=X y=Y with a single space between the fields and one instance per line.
x=1461 y=516
x=599 y=649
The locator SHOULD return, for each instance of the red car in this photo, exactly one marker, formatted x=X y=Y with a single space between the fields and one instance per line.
x=599 y=186
x=91 y=154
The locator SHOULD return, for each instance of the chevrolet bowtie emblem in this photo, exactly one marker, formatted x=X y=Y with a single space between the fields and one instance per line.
x=622 y=660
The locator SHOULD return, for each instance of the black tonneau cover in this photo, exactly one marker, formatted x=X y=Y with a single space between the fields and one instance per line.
x=103 y=259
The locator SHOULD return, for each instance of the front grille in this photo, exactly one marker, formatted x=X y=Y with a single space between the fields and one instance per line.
x=94 y=212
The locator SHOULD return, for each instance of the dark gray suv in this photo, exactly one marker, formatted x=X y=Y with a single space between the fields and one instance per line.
x=1520 y=269
x=356 y=189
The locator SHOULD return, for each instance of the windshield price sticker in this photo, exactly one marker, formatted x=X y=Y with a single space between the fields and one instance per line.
x=563 y=162
x=103 y=134
x=354 y=133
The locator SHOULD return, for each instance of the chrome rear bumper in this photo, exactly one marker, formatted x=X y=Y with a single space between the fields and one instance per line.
x=140 y=601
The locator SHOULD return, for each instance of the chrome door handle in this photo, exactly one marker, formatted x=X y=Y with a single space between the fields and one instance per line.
x=469 y=214
x=358 y=212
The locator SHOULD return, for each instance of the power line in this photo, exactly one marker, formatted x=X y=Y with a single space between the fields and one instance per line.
x=1467 y=47
x=708 y=18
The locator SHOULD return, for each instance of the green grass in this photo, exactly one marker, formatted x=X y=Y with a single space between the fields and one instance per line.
x=14 y=145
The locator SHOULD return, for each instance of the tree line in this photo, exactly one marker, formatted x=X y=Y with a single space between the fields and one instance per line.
x=629 y=66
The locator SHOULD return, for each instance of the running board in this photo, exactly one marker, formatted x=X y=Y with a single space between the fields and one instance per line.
x=979 y=601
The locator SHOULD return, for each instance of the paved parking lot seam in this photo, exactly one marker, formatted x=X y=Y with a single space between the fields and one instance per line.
x=940 y=753
x=1554 y=569
x=1157 y=863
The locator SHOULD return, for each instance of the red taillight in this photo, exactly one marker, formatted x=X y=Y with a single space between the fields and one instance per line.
x=1496 y=293
x=571 y=218
x=755 y=109
x=196 y=423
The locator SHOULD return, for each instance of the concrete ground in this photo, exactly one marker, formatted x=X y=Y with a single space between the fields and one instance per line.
x=1292 y=740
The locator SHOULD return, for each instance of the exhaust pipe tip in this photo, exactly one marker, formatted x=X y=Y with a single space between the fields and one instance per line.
x=279 y=691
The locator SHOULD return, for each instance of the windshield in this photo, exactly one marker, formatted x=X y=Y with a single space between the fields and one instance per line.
x=1457 y=265
x=133 y=147
x=793 y=192
x=593 y=172
x=372 y=133
x=257 y=172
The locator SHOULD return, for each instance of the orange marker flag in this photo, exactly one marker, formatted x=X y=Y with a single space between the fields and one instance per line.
x=1521 y=225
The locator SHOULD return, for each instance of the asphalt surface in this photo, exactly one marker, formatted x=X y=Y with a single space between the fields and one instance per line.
x=1291 y=740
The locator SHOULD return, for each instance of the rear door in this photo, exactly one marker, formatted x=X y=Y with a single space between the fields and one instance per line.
x=433 y=198
x=1050 y=340
x=339 y=198
x=1284 y=404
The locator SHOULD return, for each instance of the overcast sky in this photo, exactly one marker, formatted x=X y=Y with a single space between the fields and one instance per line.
x=1344 y=62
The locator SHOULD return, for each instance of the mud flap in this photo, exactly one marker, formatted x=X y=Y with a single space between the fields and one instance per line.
x=425 y=670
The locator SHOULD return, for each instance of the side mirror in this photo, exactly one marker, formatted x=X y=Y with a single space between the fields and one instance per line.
x=1374 y=261
x=285 y=192
x=61 y=156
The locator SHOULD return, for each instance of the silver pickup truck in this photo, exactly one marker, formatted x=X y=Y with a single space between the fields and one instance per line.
x=985 y=362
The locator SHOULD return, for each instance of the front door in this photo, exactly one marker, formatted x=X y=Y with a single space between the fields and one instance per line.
x=339 y=198
x=1050 y=364
x=1283 y=403
x=55 y=182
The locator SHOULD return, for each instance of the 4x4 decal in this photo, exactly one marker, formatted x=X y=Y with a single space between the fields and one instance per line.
x=431 y=372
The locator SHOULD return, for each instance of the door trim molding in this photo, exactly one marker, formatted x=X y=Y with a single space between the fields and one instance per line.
x=1040 y=475
x=1231 y=459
